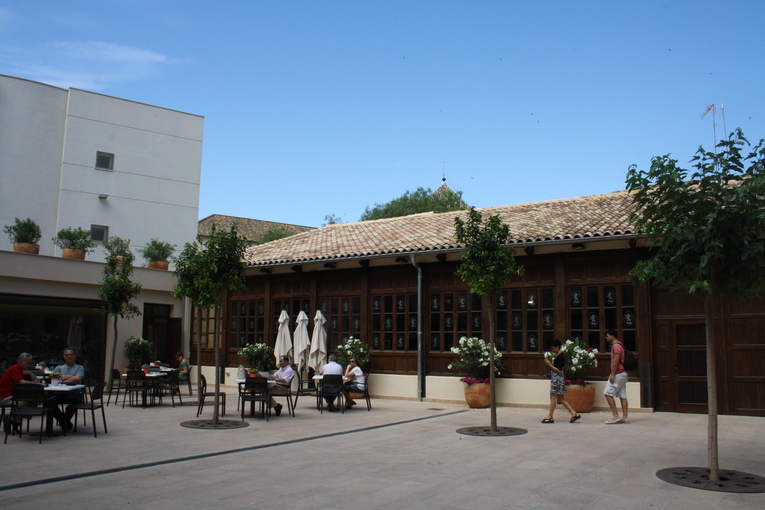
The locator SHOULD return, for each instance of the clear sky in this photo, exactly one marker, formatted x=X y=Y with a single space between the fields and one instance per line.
x=325 y=107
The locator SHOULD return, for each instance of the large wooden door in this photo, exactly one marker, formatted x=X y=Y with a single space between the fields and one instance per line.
x=681 y=368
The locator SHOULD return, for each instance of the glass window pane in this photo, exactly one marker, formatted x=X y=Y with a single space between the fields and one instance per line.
x=592 y=296
x=547 y=298
x=576 y=297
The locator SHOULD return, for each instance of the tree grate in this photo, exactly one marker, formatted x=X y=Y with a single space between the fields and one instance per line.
x=208 y=424
x=698 y=478
x=486 y=431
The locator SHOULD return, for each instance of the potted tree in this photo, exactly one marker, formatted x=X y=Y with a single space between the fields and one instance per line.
x=138 y=352
x=260 y=357
x=473 y=356
x=117 y=247
x=24 y=234
x=74 y=242
x=157 y=253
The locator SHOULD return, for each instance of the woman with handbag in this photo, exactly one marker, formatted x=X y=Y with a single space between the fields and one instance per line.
x=558 y=384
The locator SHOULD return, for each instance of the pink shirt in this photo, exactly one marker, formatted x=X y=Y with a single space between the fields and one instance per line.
x=618 y=348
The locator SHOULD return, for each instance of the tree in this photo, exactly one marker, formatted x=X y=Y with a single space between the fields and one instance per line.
x=706 y=235
x=422 y=200
x=204 y=274
x=117 y=290
x=485 y=265
x=331 y=219
x=272 y=234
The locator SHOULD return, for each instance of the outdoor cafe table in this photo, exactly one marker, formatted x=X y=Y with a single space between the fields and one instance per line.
x=152 y=380
x=240 y=384
x=59 y=388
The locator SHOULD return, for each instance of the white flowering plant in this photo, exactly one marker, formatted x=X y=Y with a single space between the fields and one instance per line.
x=473 y=358
x=580 y=359
x=260 y=357
x=353 y=348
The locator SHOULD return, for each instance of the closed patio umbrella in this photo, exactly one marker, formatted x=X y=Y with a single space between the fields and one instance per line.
x=318 y=355
x=283 y=345
x=301 y=342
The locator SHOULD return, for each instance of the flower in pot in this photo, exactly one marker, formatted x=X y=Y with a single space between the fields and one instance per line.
x=24 y=234
x=138 y=351
x=157 y=253
x=353 y=348
x=580 y=360
x=55 y=378
x=260 y=357
x=473 y=358
x=74 y=242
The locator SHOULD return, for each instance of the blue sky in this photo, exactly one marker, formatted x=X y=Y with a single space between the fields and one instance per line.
x=326 y=107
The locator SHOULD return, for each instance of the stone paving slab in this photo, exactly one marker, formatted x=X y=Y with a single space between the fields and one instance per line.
x=400 y=455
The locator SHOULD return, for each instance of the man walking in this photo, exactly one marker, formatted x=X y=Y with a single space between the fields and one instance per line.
x=617 y=381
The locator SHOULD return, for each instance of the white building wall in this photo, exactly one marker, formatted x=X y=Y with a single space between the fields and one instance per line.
x=49 y=138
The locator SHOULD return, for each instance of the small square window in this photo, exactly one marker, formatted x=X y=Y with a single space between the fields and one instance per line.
x=104 y=161
x=99 y=233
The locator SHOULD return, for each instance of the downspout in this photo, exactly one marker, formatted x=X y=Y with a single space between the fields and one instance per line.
x=419 y=328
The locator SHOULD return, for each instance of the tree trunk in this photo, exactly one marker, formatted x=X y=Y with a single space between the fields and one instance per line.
x=714 y=470
x=216 y=336
x=199 y=351
x=488 y=306
x=110 y=366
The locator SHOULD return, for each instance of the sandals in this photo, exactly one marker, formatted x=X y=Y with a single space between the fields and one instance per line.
x=574 y=418
x=548 y=420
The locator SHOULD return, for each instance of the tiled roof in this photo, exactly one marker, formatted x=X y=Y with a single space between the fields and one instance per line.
x=251 y=229
x=530 y=224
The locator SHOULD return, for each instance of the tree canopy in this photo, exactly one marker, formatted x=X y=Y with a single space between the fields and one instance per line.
x=272 y=234
x=419 y=201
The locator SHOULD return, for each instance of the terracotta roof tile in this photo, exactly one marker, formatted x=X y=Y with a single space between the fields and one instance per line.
x=251 y=229
x=532 y=223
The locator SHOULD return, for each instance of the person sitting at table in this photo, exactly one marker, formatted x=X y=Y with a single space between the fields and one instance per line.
x=355 y=381
x=17 y=373
x=332 y=368
x=183 y=368
x=283 y=378
x=71 y=373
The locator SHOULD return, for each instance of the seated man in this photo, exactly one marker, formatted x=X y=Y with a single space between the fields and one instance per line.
x=283 y=378
x=17 y=373
x=332 y=368
x=71 y=373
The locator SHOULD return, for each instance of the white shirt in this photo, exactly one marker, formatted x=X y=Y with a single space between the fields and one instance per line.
x=332 y=367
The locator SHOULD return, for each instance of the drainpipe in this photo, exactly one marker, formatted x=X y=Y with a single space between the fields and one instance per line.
x=419 y=328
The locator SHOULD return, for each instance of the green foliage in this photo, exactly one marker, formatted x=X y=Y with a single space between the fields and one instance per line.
x=272 y=234
x=486 y=263
x=138 y=351
x=422 y=200
x=116 y=246
x=473 y=355
x=260 y=357
x=707 y=232
x=117 y=290
x=157 y=251
x=23 y=231
x=353 y=348
x=74 y=239
x=580 y=360
x=331 y=219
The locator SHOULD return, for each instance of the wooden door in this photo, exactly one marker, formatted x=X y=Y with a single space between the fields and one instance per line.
x=681 y=368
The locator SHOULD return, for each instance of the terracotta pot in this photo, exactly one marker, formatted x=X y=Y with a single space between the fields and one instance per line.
x=32 y=248
x=477 y=395
x=581 y=397
x=159 y=264
x=69 y=253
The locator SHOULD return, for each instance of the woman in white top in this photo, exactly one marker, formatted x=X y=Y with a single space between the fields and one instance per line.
x=354 y=378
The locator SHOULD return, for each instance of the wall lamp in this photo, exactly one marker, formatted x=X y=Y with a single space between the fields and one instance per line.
x=330 y=265
x=577 y=246
x=103 y=196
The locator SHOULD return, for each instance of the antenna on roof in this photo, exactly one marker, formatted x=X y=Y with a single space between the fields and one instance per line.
x=725 y=129
x=711 y=107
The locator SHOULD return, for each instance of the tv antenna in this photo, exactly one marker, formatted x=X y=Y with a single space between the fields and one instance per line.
x=711 y=108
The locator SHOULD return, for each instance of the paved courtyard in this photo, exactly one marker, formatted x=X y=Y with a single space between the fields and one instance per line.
x=400 y=455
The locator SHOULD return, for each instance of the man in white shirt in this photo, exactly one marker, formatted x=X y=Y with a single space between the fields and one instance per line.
x=333 y=367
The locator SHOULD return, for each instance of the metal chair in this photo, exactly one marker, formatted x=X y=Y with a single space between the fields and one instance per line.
x=172 y=385
x=188 y=380
x=116 y=379
x=204 y=394
x=255 y=389
x=35 y=404
x=362 y=395
x=95 y=401
x=135 y=384
x=306 y=387
x=333 y=383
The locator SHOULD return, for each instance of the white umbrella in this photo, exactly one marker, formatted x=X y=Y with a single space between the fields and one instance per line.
x=301 y=342
x=318 y=356
x=283 y=345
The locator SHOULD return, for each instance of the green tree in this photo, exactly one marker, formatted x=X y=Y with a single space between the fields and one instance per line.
x=117 y=289
x=272 y=234
x=331 y=219
x=421 y=200
x=486 y=263
x=706 y=235
x=204 y=274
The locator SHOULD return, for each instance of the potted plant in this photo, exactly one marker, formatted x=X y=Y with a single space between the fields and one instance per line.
x=353 y=348
x=74 y=242
x=260 y=357
x=157 y=253
x=117 y=247
x=55 y=378
x=24 y=234
x=473 y=359
x=580 y=360
x=138 y=352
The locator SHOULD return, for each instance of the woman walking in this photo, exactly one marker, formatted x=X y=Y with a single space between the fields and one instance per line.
x=558 y=384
